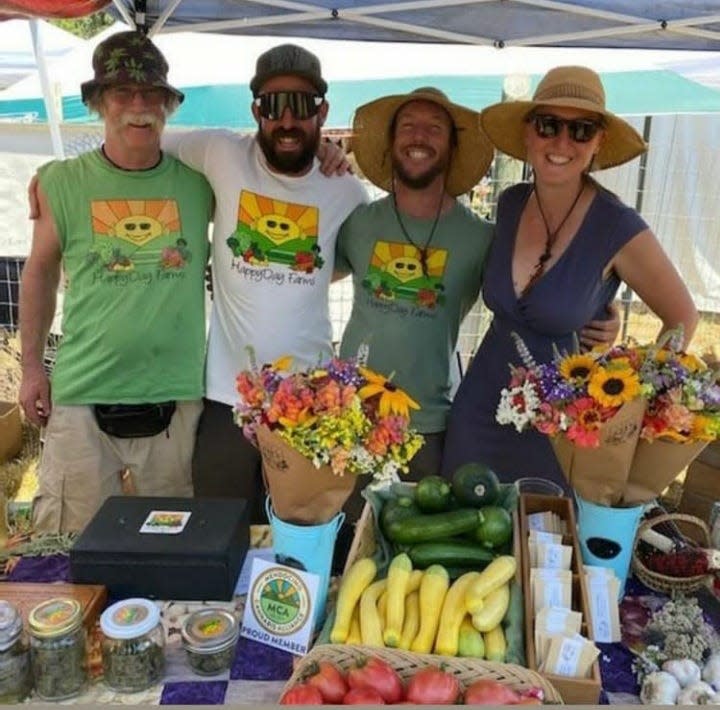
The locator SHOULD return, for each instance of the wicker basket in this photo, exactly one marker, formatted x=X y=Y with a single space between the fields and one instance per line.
x=695 y=529
x=466 y=670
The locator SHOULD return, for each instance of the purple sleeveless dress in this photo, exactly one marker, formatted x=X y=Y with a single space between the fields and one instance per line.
x=570 y=294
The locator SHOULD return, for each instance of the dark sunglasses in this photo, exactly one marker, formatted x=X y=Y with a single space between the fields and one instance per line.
x=580 y=130
x=302 y=104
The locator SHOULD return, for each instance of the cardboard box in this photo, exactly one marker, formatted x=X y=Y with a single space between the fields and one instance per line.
x=10 y=430
x=134 y=550
x=702 y=486
x=574 y=691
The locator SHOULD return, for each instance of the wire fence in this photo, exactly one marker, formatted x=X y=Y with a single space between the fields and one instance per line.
x=637 y=321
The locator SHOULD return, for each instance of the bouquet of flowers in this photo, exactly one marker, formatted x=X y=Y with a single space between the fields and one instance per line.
x=623 y=422
x=319 y=428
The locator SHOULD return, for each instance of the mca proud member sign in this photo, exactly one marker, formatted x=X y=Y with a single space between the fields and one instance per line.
x=279 y=609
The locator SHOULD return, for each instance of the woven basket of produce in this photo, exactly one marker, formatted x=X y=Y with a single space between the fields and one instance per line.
x=469 y=678
x=671 y=554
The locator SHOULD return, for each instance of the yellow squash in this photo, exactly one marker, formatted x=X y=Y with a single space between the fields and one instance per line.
x=452 y=614
x=495 y=606
x=353 y=584
x=398 y=577
x=497 y=573
x=433 y=588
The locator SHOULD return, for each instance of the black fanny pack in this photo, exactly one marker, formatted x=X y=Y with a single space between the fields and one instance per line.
x=134 y=421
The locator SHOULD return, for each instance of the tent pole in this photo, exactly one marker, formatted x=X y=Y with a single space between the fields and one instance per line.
x=626 y=298
x=50 y=107
x=127 y=17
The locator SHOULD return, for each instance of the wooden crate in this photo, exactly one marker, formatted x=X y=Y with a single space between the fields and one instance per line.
x=574 y=691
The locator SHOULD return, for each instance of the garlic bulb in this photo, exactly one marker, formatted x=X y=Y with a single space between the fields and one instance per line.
x=685 y=670
x=696 y=694
x=711 y=671
x=659 y=688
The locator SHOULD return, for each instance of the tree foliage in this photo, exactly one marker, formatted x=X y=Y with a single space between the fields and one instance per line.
x=86 y=27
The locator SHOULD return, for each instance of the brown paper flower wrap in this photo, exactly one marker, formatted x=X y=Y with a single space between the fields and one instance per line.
x=600 y=475
x=321 y=429
x=624 y=422
x=300 y=493
x=656 y=464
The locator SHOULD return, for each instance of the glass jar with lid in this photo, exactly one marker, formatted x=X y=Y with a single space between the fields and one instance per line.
x=57 y=648
x=15 y=682
x=133 y=645
x=209 y=637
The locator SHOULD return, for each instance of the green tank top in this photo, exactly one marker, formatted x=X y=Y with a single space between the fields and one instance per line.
x=134 y=250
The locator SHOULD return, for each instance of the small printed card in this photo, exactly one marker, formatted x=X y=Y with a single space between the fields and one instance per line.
x=165 y=522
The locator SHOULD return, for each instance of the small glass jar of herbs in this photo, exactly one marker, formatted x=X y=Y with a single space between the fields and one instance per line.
x=133 y=645
x=209 y=637
x=57 y=648
x=15 y=681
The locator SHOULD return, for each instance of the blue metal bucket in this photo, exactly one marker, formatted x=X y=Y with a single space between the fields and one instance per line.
x=306 y=547
x=607 y=536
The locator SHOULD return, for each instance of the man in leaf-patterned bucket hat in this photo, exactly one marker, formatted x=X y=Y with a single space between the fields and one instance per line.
x=128 y=225
x=128 y=58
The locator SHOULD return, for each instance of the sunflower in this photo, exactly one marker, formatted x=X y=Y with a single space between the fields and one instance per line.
x=282 y=363
x=392 y=399
x=612 y=388
x=577 y=368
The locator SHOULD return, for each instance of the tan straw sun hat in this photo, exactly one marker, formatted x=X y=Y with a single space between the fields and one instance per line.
x=567 y=87
x=371 y=143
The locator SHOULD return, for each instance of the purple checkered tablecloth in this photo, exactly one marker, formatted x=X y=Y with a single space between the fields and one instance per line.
x=258 y=672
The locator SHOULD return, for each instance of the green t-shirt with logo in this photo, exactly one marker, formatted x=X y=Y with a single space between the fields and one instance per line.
x=134 y=251
x=408 y=306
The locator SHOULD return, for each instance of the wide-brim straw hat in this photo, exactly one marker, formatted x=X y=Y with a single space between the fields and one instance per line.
x=371 y=141
x=566 y=87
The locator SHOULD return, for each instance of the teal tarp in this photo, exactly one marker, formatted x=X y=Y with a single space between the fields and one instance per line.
x=629 y=93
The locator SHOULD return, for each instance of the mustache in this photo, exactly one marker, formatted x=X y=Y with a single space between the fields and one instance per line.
x=140 y=119
x=288 y=133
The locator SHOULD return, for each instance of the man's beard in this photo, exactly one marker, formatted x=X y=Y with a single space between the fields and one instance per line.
x=290 y=163
x=419 y=182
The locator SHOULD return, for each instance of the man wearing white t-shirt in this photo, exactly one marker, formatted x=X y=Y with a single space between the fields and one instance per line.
x=276 y=222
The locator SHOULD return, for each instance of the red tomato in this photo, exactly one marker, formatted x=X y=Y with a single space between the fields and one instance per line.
x=326 y=677
x=371 y=672
x=433 y=686
x=363 y=696
x=489 y=692
x=302 y=694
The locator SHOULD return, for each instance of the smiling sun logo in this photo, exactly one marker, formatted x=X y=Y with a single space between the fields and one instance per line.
x=275 y=232
x=396 y=271
x=132 y=233
x=135 y=221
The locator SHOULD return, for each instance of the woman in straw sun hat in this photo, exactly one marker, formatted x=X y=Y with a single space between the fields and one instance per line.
x=562 y=246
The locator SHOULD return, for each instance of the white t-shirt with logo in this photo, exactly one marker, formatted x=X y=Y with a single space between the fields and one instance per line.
x=273 y=255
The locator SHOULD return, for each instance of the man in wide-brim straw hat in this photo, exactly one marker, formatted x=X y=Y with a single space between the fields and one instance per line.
x=417 y=254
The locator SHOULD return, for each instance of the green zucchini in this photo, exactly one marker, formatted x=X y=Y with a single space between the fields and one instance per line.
x=514 y=626
x=432 y=526
x=397 y=509
x=450 y=553
x=475 y=484
x=433 y=494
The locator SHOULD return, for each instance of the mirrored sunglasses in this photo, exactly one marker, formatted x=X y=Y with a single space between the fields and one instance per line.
x=302 y=104
x=580 y=130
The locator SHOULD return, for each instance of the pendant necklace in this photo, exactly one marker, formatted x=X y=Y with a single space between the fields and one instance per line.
x=422 y=250
x=550 y=238
x=131 y=170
